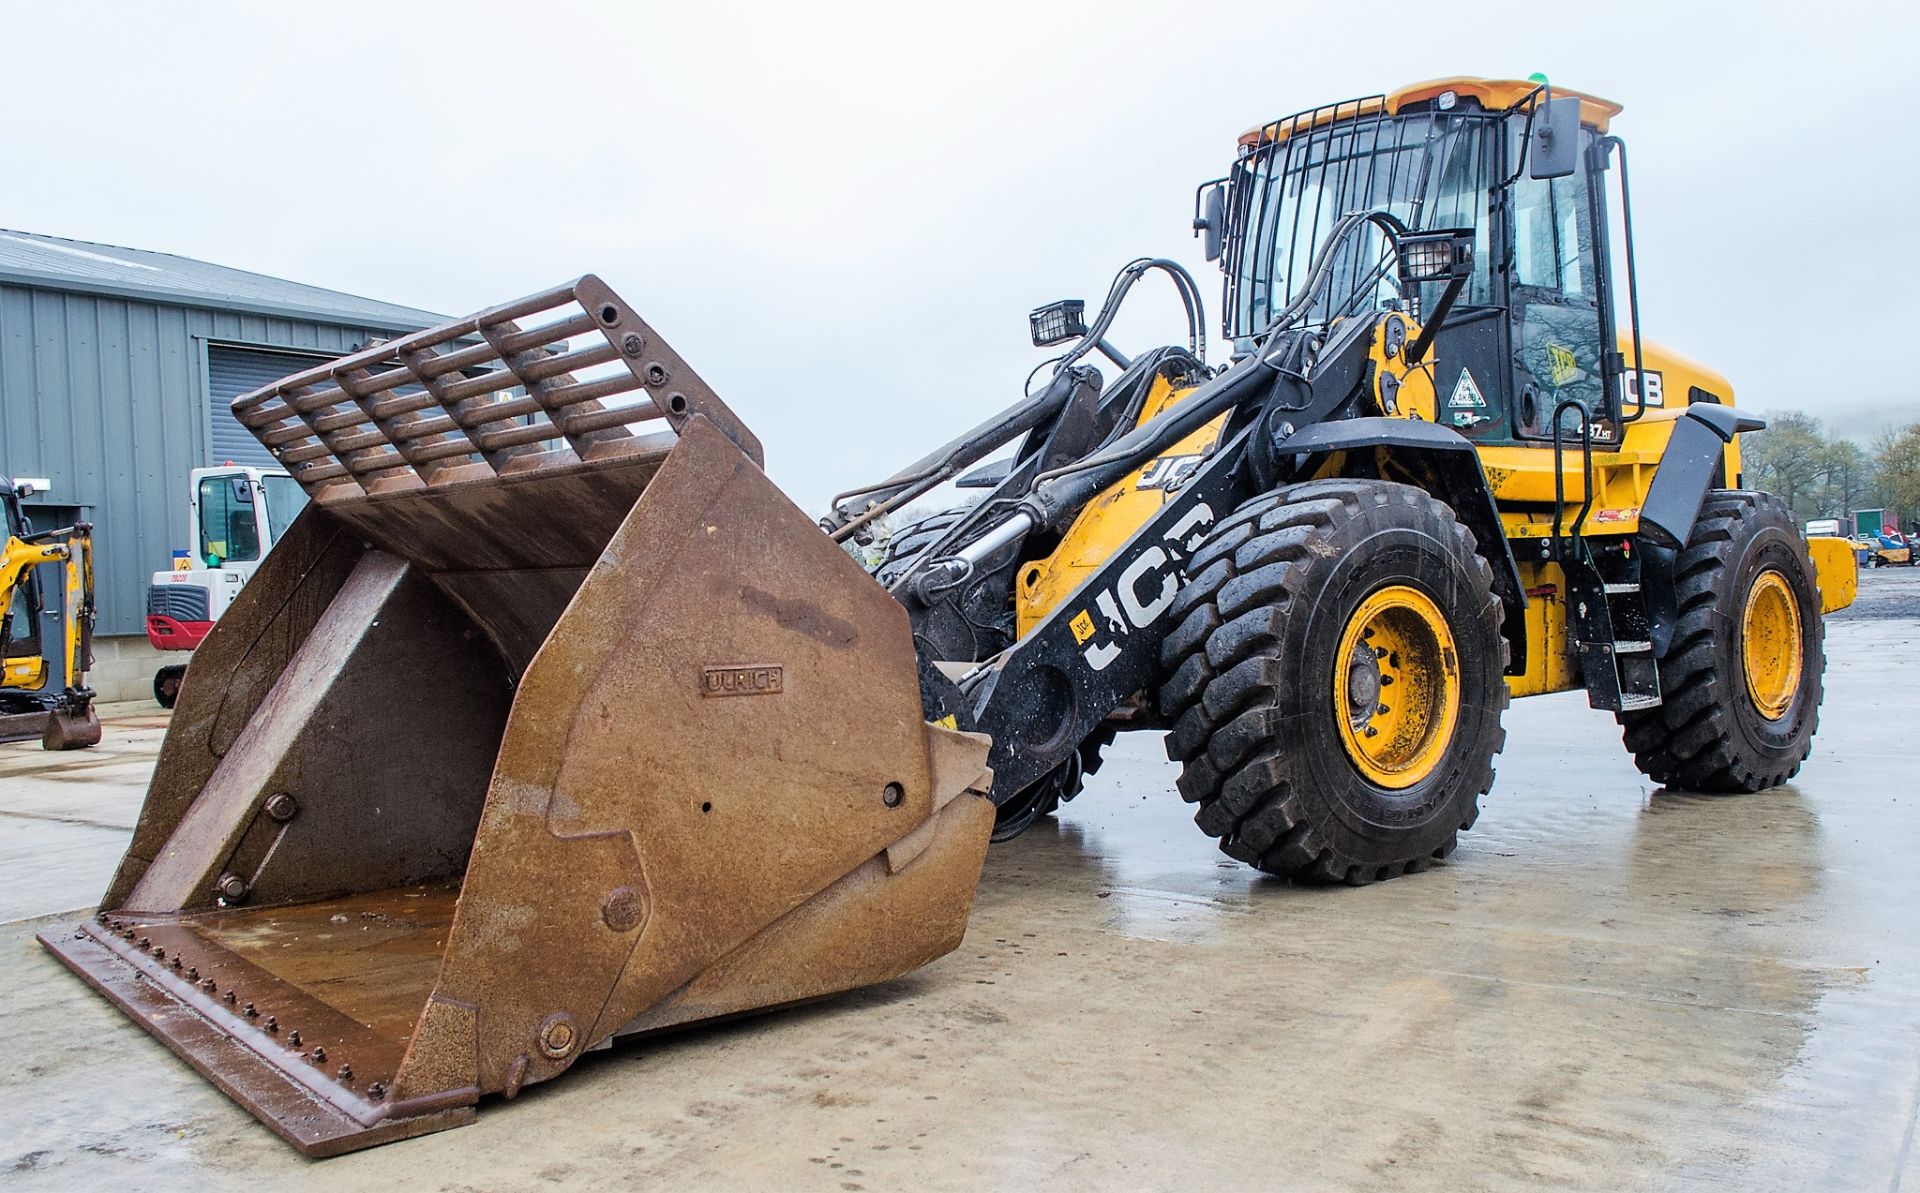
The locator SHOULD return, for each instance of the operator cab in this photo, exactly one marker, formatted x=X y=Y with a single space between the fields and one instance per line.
x=239 y=512
x=1533 y=327
x=236 y=514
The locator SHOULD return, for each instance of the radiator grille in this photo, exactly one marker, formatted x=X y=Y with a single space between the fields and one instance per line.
x=182 y=602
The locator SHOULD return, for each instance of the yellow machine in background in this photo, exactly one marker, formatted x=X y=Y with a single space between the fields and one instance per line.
x=43 y=692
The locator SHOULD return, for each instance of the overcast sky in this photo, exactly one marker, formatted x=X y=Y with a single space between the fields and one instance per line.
x=840 y=215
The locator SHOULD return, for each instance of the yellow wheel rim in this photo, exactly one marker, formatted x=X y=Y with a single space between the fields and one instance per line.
x=1770 y=645
x=1396 y=687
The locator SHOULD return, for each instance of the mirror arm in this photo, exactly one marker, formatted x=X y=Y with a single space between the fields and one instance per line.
x=1540 y=95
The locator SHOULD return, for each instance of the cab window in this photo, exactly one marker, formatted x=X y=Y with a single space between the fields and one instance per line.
x=285 y=498
x=229 y=528
x=1557 y=343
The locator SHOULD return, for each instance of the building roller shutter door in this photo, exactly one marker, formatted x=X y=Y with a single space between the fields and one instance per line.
x=232 y=372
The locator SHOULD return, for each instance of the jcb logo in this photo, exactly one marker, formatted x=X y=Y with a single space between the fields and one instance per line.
x=1143 y=591
x=1656 y=395
x=1168 y=472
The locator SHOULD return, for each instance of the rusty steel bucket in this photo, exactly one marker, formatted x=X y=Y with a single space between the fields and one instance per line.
x=532 y=732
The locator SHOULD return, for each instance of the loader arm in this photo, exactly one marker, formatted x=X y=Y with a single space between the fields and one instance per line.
x=1304 y=398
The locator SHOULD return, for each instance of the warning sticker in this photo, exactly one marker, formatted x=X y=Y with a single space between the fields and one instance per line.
x=1564 y=368
x=1466 y=395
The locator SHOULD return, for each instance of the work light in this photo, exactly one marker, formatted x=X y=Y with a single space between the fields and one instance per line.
x=1435 y=256
x=1058 y=322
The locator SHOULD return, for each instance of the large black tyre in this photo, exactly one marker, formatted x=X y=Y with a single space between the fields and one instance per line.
x=1734 y=720
x=1252 y=664
x=911 y=540
x=166 y=684
x=1045 y=795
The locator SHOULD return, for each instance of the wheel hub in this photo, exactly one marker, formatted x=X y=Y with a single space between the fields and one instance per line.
x=1363 y=686
x=1396 y=687
x=1770 y=645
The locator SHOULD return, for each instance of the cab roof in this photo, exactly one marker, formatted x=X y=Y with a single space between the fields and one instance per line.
x=1496 y=95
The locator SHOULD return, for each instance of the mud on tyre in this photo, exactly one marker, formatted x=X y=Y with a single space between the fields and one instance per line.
x=1272 y=681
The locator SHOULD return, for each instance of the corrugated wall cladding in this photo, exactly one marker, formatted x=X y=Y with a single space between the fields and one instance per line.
x=107 y=397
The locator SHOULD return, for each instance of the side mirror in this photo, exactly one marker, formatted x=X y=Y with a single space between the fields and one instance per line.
x=1212 y=219
x=1553 y=149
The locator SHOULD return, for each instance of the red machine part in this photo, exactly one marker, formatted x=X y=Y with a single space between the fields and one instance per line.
x=167 y=633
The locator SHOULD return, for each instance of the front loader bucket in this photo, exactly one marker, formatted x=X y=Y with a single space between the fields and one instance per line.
x=532 y=732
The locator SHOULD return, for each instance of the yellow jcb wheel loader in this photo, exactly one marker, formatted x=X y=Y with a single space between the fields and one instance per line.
x=551 y=721
x=43 y=685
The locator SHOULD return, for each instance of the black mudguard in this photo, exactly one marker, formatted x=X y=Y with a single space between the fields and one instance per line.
x=1687 y=470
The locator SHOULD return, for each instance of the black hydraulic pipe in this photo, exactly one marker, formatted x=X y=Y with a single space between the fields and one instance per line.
x=949 y=459
x=1062 y=493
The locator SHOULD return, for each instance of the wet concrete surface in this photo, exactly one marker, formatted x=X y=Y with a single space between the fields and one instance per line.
x=1610 y=987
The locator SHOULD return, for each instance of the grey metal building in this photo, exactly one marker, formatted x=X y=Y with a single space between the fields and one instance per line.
x=116 y=367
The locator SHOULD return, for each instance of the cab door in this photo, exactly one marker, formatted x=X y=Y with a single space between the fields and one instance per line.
x=1556 y=333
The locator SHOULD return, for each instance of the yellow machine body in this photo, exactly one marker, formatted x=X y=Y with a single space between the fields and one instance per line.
x=43 y=694
x=1112 y=518
x=1520 y=478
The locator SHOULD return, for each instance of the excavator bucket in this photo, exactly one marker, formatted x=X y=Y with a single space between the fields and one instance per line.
x=550 y=720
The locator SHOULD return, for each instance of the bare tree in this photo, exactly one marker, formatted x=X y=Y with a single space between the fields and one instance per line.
x=1897 y=471
x=1789 y=459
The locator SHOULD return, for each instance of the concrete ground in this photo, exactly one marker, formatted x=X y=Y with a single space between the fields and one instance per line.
x=1610 y=987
